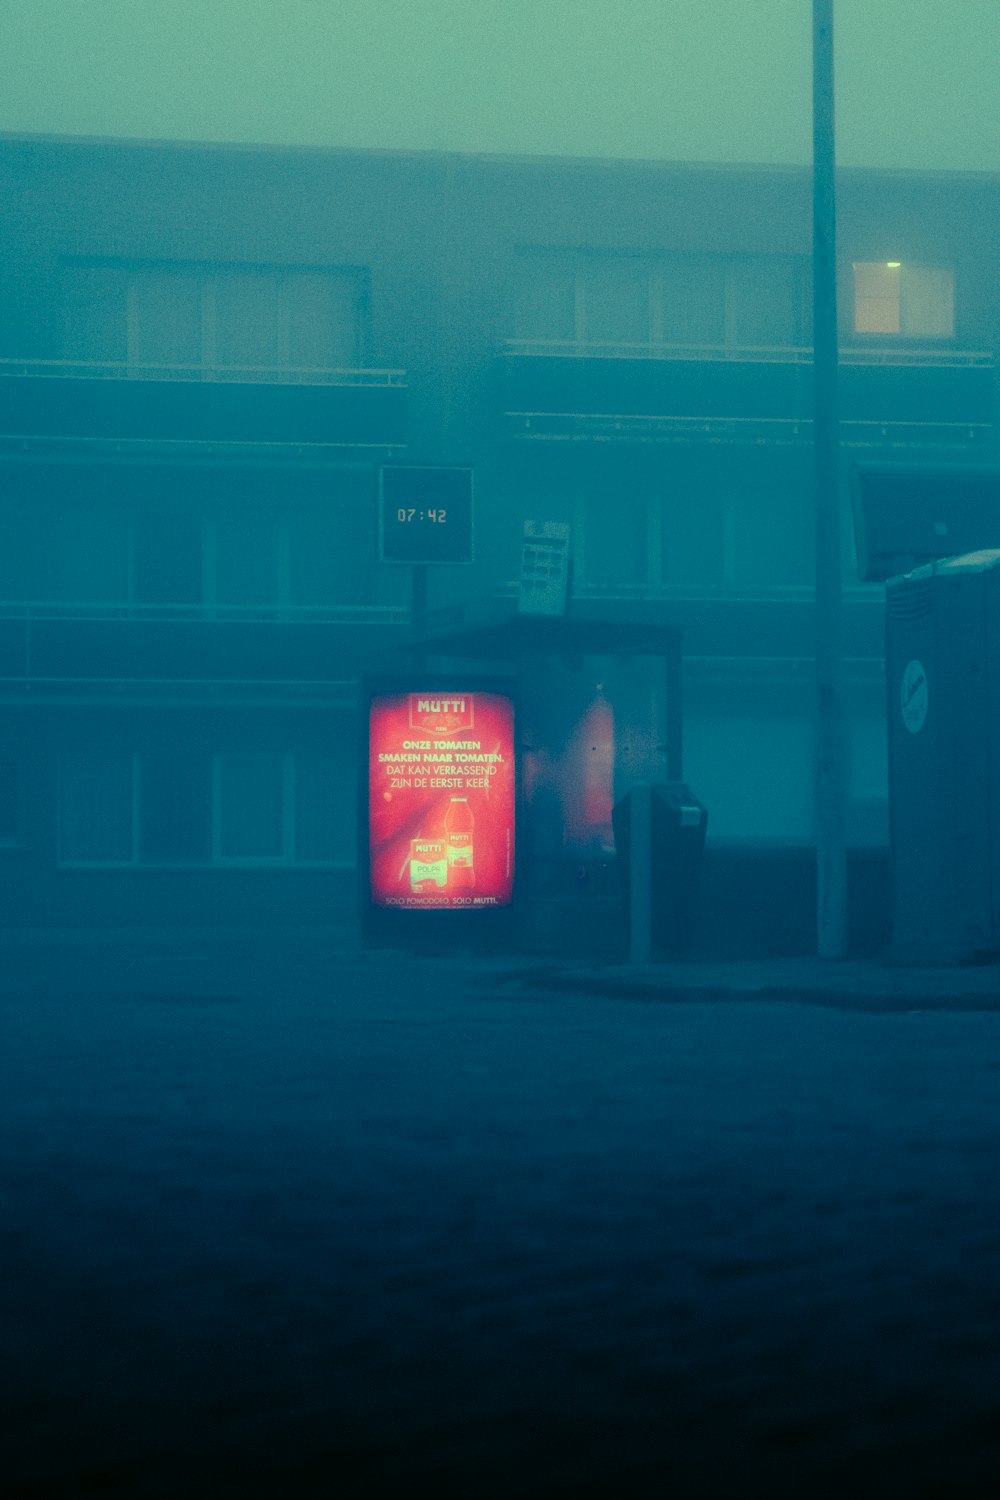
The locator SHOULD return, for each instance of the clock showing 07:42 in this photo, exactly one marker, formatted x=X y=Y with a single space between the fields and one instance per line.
x=425 y=514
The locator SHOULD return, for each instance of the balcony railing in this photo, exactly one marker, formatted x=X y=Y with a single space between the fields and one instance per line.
x=748 y=353
x=76 y=369
x=889 y=397
x=311 y=614
x=62 y=404
x=44 y=643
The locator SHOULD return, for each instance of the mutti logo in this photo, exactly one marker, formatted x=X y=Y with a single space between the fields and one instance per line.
x=441 y=714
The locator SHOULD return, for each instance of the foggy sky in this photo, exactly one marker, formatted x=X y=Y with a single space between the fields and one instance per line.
x=680 y=79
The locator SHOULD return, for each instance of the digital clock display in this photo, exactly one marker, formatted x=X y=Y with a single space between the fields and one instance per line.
x=425 y=514
x=405 y=514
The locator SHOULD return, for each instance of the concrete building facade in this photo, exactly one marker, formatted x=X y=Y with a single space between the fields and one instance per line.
x=207 y=353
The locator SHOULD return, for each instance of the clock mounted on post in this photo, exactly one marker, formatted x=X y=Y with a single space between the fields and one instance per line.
x=425 y=514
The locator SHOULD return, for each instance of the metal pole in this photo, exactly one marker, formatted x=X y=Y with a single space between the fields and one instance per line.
x=418 y=614
x=640 y=912
x=675 y=713
x=831 y=780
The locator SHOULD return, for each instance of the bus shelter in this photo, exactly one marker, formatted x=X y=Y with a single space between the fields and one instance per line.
x=598 y=712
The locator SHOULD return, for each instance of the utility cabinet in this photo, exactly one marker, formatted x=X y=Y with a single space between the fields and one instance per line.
x=943 y=691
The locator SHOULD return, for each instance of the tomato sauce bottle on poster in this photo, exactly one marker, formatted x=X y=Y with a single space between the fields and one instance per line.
x=459 y=826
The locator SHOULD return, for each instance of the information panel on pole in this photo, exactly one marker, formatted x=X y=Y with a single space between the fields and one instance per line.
x=441 y=797
x=425 y=514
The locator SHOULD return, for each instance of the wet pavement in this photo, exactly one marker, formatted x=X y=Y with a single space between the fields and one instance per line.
x=861 y=984
x=279 y=1218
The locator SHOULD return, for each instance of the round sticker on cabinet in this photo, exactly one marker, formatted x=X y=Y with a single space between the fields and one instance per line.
x=913 y=696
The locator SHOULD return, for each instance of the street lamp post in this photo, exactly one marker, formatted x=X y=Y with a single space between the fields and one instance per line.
x=831 y=856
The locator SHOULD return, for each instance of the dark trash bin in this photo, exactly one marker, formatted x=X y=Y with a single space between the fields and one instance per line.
x=680 y=822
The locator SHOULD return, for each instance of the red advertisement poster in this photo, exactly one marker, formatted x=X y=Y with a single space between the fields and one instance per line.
x=441 y=800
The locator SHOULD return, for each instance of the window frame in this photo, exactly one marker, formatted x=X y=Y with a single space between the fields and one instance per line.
x=133 y=795
x=580 y=262
x=902 y=335
x=286 y=856
x=216 y=860
x=18 y=838
x=211 y=276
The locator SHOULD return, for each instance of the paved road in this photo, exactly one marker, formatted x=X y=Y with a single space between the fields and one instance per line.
x=281 y=1224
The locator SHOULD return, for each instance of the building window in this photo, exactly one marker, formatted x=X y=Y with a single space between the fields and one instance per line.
x=87 y=565
x=695 y=538
x=183 y=806
x=768 y=301
x=308 y=557
x=616 y=299
x=601 y=299
x=330 y=552
x=612 y=543
x=693 y=300
x=173 y=792
x=98 y=807
x=231 y=561
x=545 y=297
x=325 y=808
x=11 y=799
x=252 y=806
x=166 y=552
x=911 y=301
x=247 y=560
x=250 y=323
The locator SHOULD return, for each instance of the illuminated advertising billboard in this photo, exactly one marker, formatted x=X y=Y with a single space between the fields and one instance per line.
x=441 y=798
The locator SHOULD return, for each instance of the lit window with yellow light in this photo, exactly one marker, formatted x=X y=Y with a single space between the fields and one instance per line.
x=896 y=298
